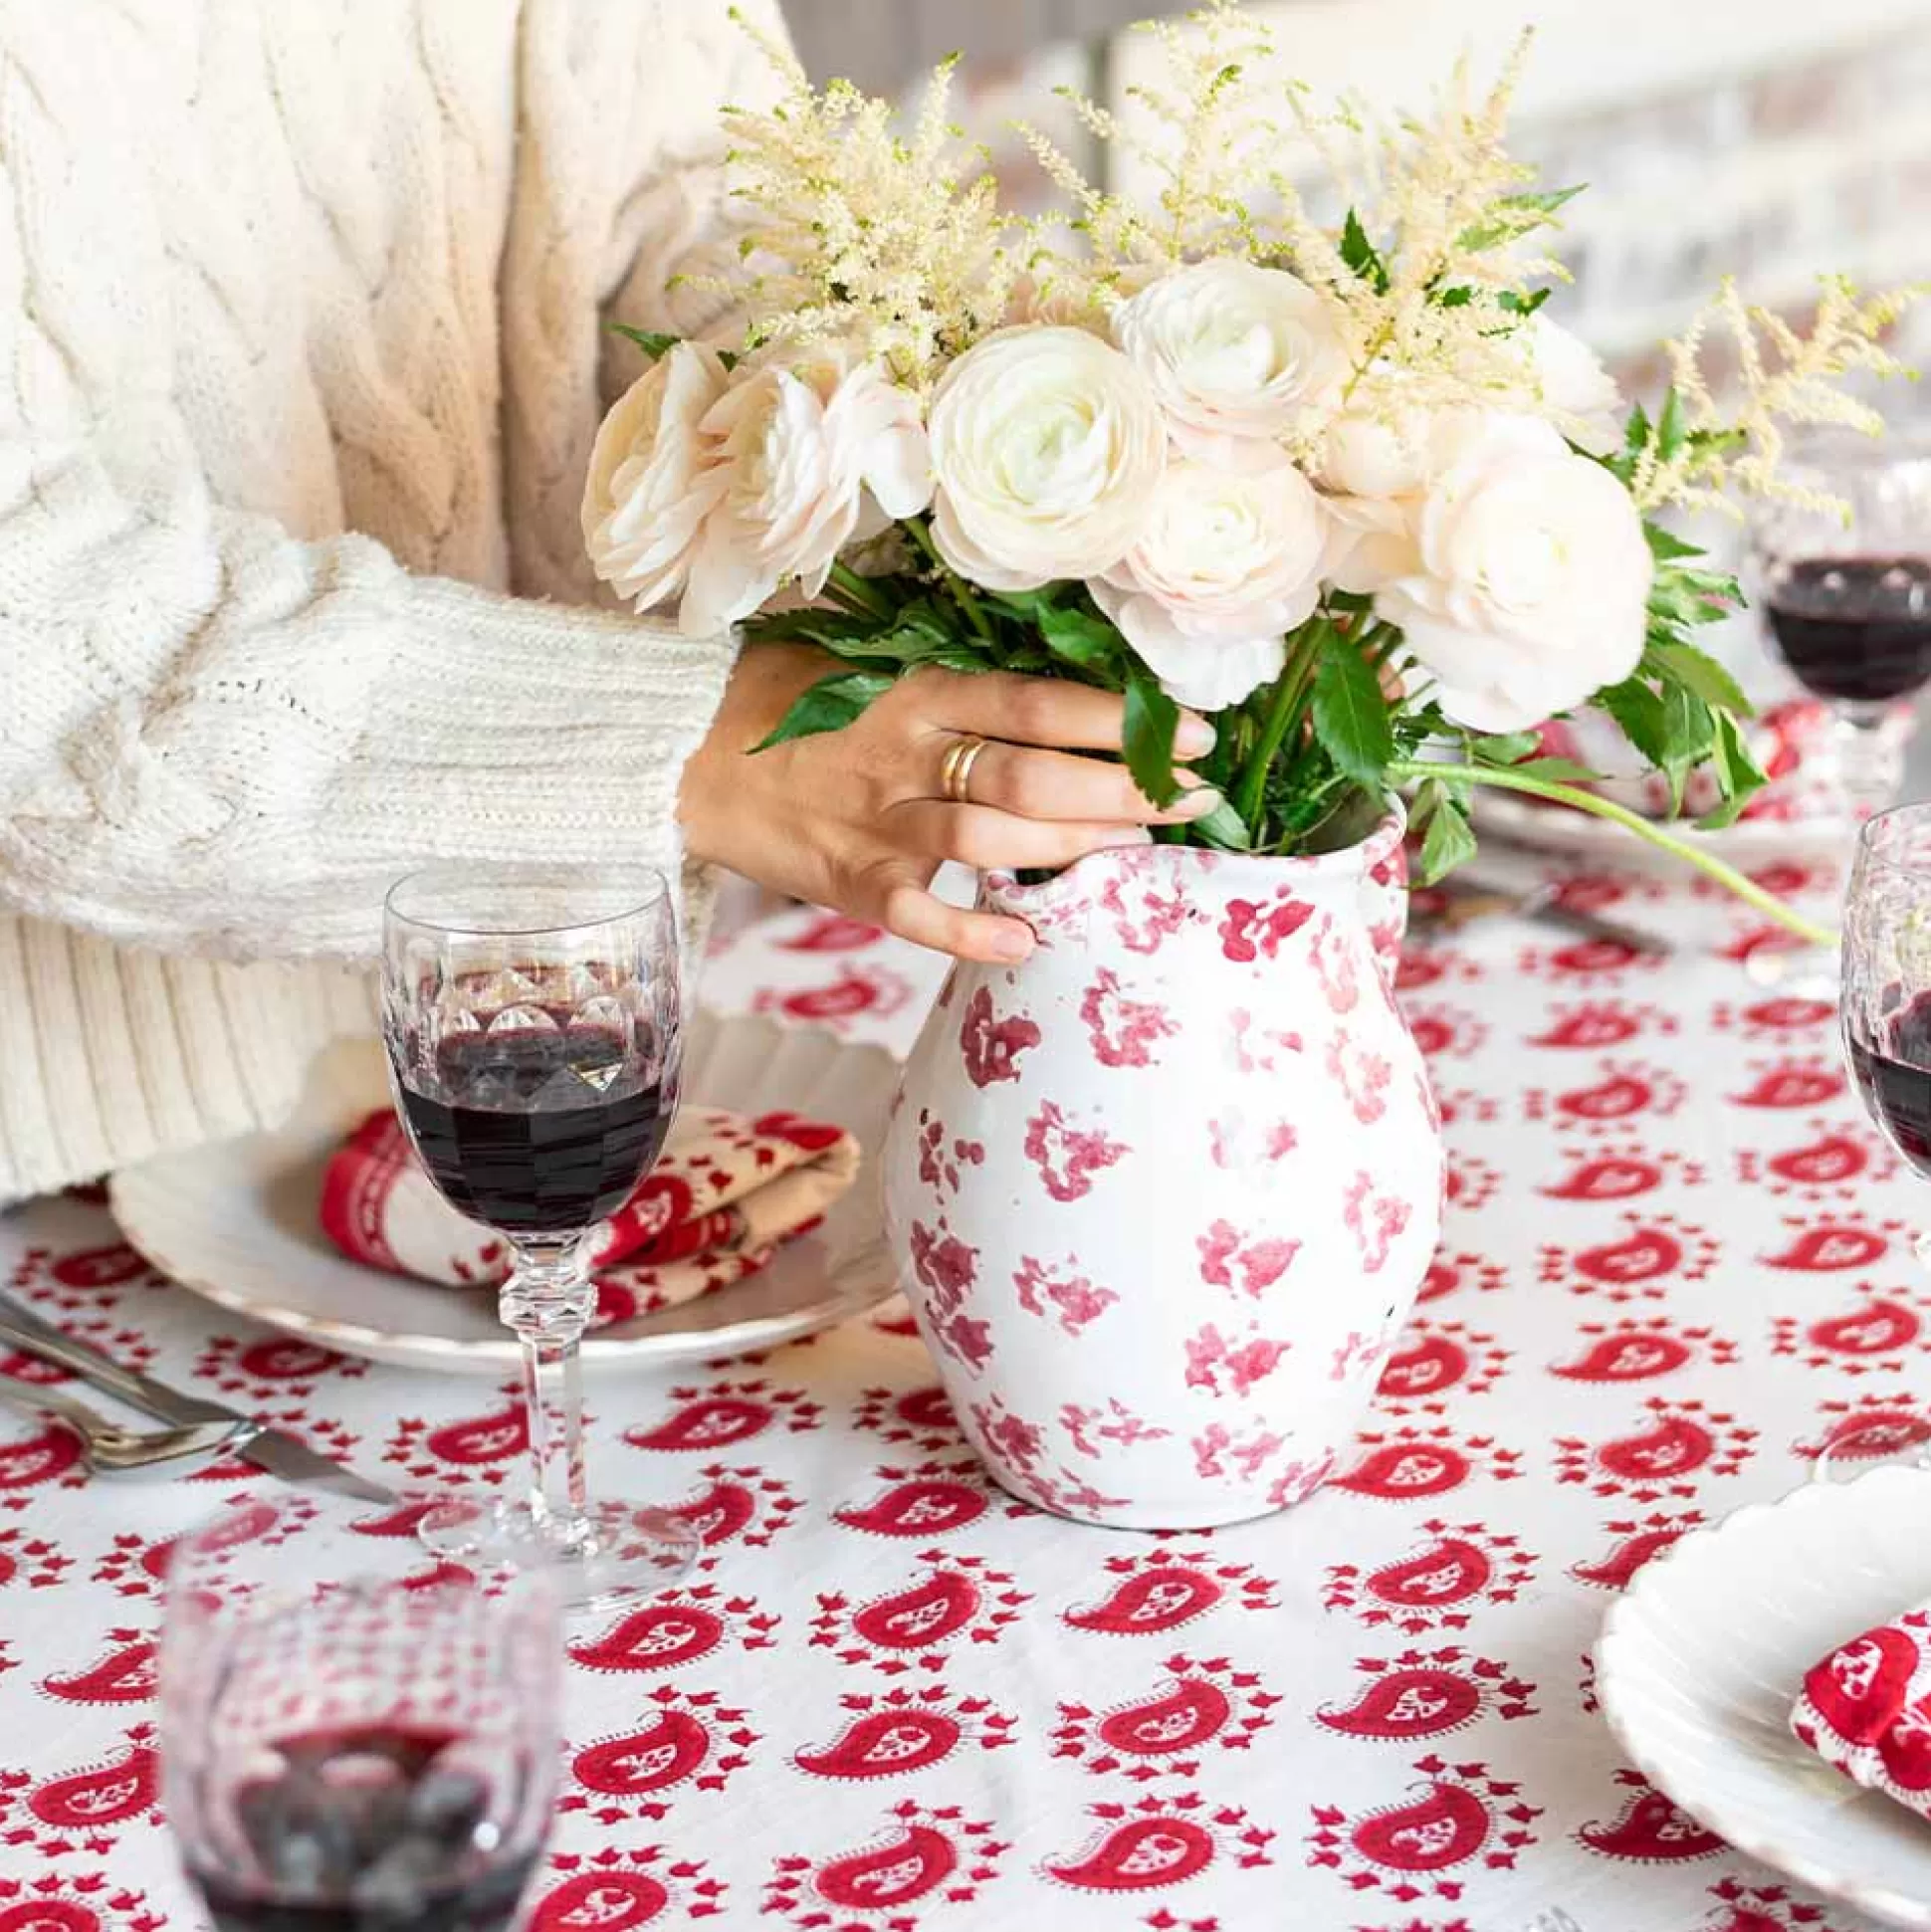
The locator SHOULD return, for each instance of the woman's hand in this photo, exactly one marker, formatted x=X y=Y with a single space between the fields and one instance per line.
x=859 y=819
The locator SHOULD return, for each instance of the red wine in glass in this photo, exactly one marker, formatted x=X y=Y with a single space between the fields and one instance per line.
x=1855 y=630
x=349 y=1745
x=532 y=1019
x=541 y=1129
x=365 y=1829
x=1893 y=1076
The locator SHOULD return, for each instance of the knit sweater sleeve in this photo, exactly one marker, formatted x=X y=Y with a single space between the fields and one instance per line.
x=218 y=736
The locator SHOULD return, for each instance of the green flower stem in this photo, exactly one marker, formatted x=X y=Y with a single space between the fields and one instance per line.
x=1283 y=707
x=962 y=598
x=1726 y=876
x=858 y=591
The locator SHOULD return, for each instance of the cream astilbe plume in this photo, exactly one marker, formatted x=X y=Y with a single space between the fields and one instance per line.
x=1435 y=278
x=1785 y=378
x=1441 y=210
x=1204 y=134
x=895 y=245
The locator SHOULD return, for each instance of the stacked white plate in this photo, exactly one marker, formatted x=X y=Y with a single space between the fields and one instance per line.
x=1704 y=1653
x=237 y=1222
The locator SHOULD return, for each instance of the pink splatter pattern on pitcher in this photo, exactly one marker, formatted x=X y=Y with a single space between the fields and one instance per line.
x=1163 y=1195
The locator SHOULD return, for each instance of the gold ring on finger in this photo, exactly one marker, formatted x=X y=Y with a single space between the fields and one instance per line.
x=956 y=771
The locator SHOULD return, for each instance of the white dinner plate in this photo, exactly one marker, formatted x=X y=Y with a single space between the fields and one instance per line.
x=1580 y=835
x=1703 y=1656
x=237 y=1220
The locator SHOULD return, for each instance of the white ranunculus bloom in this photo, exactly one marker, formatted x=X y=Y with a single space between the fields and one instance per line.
x=1573 y=380
x=1240 y=356
x=1229 y=560
x=806 y=448
x=1046 y=444
x=650 y=484
x=1377 y=467
x=1365 y=454
x=1529 y=587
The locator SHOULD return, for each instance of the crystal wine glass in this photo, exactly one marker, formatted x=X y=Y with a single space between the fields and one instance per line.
x=531 y=1021
x=1849 y=602
x=352 y=1736
x=1885 y=1002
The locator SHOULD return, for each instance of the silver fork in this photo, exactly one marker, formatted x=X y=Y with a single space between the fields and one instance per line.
x=1553 y=1920
x=112 y=1450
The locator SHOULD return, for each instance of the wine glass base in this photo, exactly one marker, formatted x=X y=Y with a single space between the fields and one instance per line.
x=1798 y=973
x=613 y=1554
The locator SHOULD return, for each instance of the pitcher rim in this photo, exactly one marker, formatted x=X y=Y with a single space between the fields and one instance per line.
x=1387 y=833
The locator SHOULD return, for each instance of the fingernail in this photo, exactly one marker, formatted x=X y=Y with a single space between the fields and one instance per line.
x=1012 y=946
x=1194 y=739
x=1196 y=804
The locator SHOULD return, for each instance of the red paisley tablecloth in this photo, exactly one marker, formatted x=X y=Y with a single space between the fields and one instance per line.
x=1675 y=1268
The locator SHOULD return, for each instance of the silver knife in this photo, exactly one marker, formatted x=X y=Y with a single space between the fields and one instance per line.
x=1469 y=897
x=274 y=1450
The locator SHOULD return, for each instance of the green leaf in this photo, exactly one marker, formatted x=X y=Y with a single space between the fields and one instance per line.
x=1030 y=606
x=1223 y=827
x=1080 y=637
x=1689 y=736
x=1508 y=747
x=1151 y=722
x=1689 y=729
x=829 y=706
x=1450 y=842
x=1636 y=430
x=1639 y=712
x=1514 y=215
x=1362 y=255
x=653 y=342
x=1351 y=716
x=1562 y=772
x=827 y=627
x=1698 y=672
x=966 y=655
x=1549 y=200
x=1671 y=427
x=1666 y=546
x=1738 y=775
x=1028 y=660
x=1507 y=300
x=911 y=637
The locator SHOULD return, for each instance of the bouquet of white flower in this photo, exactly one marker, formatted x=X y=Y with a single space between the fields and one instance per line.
x=1348 y=490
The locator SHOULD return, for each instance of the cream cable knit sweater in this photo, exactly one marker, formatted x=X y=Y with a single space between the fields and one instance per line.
x=299 y=364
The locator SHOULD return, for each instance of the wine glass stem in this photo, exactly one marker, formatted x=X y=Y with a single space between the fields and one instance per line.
x=547 y=1302
x=1869 y=767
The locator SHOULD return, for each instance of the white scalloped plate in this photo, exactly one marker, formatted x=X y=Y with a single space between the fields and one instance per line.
x=236 y=1220
x=1702 y=1656
x=1577 y=835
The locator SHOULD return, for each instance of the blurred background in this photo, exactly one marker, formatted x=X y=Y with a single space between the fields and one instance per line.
x=1767 y=139
x=1764 y=138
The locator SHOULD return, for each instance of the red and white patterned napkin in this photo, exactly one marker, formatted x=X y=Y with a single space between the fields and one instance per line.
x=1866 y=1709
x=723 y=1196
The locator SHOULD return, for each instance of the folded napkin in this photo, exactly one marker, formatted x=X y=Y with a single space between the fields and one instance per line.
x=724 y=1193
x=1866 y=1709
